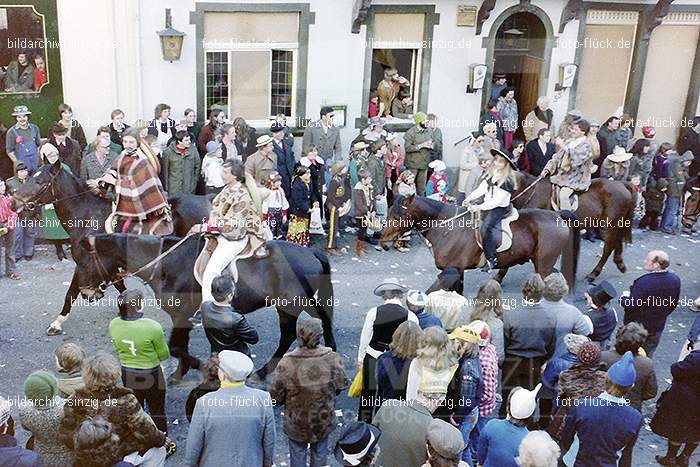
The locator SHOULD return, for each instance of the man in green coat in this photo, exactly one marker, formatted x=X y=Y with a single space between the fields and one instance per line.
x=181 y=165
x=419 y=145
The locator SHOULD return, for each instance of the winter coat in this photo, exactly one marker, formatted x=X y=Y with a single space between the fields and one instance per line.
x=300 y=204
x=377 y=170
x=317 y=168
x=417 y=158
x=260 y=167
x=677 y=174
x=575 y=383
x=362 y=201
x=285 y=164
x=645 y=386
x=652 y=298
x=43 y=422
x=306 y=383
x=404 y=427
x=508 y=111
x=607 y=139
x=640 y=166
x=68 y=383
x=91 y=169
x=533 y=123
x=537 y=158
x=203 y=389
x=327 y=142
x=19 y=82
x=571 y=166
x=467 y=163
x=181 y=170
x=119 y=406
x=555 y=367
x=676 y=415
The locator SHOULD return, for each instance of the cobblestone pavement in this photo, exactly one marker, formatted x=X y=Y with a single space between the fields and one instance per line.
x=29 y=305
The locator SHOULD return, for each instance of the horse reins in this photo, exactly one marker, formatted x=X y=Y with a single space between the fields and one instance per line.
x=32 y=203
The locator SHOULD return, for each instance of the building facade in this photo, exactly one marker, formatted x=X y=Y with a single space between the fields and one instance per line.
x=256 y=59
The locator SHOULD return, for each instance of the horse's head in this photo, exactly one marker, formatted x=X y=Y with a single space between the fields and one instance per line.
x=399 y=220
x=41 y=192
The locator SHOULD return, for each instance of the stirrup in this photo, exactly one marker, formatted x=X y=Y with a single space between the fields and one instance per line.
x=489 y=265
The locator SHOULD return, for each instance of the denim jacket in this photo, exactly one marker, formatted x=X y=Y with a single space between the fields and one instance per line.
x=464 y=392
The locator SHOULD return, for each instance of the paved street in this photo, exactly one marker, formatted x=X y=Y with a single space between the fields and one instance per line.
x=29 y=305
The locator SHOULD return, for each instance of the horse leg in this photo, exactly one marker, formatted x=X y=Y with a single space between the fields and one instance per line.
x=500 y=275
x=179 y=348
x=617 y=257
x=608 y=247
x=54 y=328
x=288 y=323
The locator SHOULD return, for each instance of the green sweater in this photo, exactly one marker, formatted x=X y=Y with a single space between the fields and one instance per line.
x=139 y=343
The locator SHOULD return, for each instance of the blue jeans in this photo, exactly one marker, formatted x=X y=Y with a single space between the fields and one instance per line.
x=492 y=221
x=474 y=438
x=25 y=233
x=669 y=218
x=466 y=428
x=299 y=453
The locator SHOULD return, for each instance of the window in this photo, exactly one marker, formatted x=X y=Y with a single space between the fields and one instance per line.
x=251 y=65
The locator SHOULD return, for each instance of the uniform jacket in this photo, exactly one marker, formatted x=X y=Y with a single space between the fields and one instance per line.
x=226 y=329
x=571 y=166
x=306 y=383
x=417 y=158
x=119 y=406
x=338 y=192
x=327 y=142
x=234 y=213
x=260 y=167
x=181 y=170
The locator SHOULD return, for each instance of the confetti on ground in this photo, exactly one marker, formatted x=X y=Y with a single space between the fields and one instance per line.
x=672 y=247
x=334 y=270
x=653 y=446
x=355 y=304
x=393 y=266
x=355 y=259
x=65 y=283
x=681 y=325
x=417 y=273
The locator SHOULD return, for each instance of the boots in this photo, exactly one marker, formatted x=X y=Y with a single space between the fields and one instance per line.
x=360 y=248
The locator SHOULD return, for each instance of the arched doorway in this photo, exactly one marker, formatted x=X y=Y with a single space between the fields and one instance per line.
x=519 y=45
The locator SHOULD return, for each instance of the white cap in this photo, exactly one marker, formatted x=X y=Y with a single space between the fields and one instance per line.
x=47 y=149
x=416 y=298
x=236 y=365
x=438 y=165
x=523 y=402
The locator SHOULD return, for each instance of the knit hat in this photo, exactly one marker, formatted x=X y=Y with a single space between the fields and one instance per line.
x=648 y=131
x=5 y=407
x=40 y=386
x=589 y=353
x=622 y=372
x=420 y=117
x=466 y=334
x=212 y=147
x=573 y=342
x=416 y=298
x=523 y=402
x=687 y=156
x=445 y=439
x=482 y=330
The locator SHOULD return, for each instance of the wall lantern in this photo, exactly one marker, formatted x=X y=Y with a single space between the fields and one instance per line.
x=170 y=39
x=567 y=74
x=477 y=75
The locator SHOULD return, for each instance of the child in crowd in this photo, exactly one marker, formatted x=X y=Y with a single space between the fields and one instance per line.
x=69 y=363
x=8 y=218
x=363 y=206
x=275 y=206
x=210 y=383
x=317 y=169
x=654 y=198
x=376 y=166
x=602 y=316
x=373 y=105
x=639 y=209
x=405 y=186
x=438 y=186
x=394 y=159
x=616 y=166
x=660 y=165
x=213 y=168
x=623 y=135
x=300 y=207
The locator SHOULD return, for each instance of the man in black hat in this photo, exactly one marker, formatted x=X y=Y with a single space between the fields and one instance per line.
x=358 y=445
x=285 y=156
x=602 y=316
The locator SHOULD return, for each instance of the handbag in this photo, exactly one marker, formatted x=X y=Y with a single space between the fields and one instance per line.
x=356 y=387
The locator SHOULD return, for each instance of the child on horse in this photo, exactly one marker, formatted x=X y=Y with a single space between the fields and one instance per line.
x=493 y=197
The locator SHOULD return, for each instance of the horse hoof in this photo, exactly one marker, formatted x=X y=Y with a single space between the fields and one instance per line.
x=622 y=268
x=54 y=331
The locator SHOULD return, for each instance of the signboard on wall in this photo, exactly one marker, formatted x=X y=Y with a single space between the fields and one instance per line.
x=466 y=15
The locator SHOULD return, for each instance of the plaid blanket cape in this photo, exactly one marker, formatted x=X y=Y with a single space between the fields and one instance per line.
x=138 y=188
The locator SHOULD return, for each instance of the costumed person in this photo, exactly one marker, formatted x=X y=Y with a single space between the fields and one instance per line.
x=235 y=216
x=300 y=207
x=363 y=207
x=616 y=166
x=275 y=206
x=571 y=168
x=317 y=170
x=493 y=196
x=394 y=159
x=438 y=186
x=22 y=140
x=141 y=205
x=53 y=230
x=338 y=204
x=405 y=186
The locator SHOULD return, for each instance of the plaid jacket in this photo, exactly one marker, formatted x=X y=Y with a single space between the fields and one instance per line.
x=138 y=188
x=489 y=377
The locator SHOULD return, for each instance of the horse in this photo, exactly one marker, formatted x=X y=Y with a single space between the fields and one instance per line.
x=83 y=213
x=607 y=204
x=291 y=278
x=691 y=204
x=539 y=236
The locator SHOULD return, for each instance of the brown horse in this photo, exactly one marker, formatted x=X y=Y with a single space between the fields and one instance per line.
x=691 y=207
x=539 y=236
x=607 y=204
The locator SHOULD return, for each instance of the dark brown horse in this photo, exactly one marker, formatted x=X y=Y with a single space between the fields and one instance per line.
x=539 y=236
x=607 y=204
x=691 y=207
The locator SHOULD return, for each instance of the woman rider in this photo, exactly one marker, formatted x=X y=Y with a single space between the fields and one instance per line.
x=492 y=196
x=141 y=203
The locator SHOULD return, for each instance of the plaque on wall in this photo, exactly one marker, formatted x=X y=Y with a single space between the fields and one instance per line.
x=466 y=15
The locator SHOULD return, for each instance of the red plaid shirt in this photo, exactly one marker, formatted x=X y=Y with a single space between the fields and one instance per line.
x=488 y=357
x=7 y=215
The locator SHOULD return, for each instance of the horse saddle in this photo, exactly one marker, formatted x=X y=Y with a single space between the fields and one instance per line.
x=254 y=249
x=503 y=234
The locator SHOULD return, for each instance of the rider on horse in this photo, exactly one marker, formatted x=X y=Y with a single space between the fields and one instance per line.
x=493 y=196
x=140 y=199
x=571 y=167
x=235 y=216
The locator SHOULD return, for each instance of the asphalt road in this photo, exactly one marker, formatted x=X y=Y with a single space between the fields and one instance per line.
x=29 y=305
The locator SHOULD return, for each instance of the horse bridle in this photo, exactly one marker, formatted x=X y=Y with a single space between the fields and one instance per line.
x=32 y=203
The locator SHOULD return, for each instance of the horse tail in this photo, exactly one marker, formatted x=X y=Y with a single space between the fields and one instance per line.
x=628 y=216
x=569 y=258
x=325 y=298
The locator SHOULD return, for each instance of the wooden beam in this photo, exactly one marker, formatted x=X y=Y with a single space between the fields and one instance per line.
x=655 y=17
x=484 y=13
x=359 y=16
x=569 y=13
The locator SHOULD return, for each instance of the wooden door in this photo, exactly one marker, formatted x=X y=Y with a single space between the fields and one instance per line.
x=528 y=88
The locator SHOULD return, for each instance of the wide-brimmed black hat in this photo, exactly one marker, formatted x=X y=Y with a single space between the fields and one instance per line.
x=602 y=293
x=449 y=279
x=506 y=156
x=356 y=442
x=275 y=127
